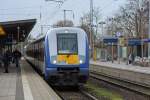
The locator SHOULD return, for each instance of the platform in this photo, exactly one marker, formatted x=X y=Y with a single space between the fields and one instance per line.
x=127 y=72
x=24 y=84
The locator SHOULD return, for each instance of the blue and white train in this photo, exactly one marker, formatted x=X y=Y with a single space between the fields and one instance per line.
x=62 y=56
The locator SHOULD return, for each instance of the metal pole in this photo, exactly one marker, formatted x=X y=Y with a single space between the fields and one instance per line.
x=41 y=19
x=142 y=47
x=40 y=13
x=112 y=53
x=102 y=30
x=42 y=30
x=142 y=34
x=64 y=17
x=119 y=51
x=149 y=32
x=18 y=29
x=142 y=41
x=127 y=39
x=73 y=16
x=112 y=42
x=103 y=37
x=82 y=20
x=91 y=26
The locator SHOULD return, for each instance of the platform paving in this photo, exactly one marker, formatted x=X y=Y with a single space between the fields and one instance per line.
x=122 y=65
x=35 y=88
x=136 y=74
x=8 y=83
x=24 y=84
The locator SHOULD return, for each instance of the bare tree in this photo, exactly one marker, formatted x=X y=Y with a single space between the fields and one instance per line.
x=132 y=18
x=85 y=21
x=60 y=23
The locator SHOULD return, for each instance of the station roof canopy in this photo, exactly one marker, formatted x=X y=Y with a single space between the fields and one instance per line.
x=15 y=31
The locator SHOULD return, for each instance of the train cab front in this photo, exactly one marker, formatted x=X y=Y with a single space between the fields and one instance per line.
x=68 y=57
x=68 y=70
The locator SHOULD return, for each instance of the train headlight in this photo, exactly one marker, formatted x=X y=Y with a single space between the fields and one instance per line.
x=54 y=62
x=81 y=61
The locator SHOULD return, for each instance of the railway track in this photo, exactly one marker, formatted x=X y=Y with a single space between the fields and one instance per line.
x=132 y=86
x=69 y=93
x=74 y=94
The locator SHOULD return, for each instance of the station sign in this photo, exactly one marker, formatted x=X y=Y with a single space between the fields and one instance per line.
x=110 y=40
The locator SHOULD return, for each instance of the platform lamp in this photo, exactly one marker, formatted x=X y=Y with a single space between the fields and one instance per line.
x=18 y=32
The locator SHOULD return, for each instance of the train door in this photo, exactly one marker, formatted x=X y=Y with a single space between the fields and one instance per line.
x=43 y=57
x=34 y=52
x=38 y=55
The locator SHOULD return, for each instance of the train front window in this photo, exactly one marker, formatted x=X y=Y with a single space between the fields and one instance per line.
x=67 y=43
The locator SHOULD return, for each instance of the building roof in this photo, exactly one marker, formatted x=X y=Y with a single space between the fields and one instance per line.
x=16 y=31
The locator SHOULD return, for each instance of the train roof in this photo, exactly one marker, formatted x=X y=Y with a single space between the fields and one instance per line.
x=55 y=29
x=65 y=28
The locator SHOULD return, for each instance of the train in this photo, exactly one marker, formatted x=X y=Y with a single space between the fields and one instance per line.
x=61 y=56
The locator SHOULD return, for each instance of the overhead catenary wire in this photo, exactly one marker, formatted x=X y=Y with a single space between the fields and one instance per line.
x=20 y=8
x=27 y=7
x=54 y=13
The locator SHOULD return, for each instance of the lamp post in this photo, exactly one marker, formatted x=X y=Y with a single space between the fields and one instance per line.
x=142 y=37
x=18 y=32
x=112 y=44
x=91 y=28
x=102 y=30
x=18 y=35
x=102 y=25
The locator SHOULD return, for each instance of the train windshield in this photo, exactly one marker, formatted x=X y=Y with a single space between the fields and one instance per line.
x=67 y=43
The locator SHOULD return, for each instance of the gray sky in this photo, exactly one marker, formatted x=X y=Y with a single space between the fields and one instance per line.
x=27 y=9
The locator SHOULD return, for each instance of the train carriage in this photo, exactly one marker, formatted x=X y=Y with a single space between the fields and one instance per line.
x=61 y=55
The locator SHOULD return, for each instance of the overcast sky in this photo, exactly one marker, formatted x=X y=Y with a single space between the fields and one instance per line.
x=27 y=9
